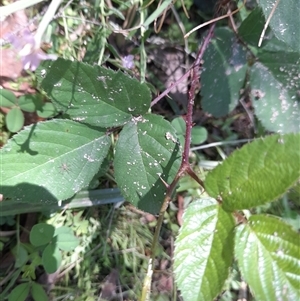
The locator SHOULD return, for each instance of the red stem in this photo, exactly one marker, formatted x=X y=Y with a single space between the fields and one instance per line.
x=195 y=75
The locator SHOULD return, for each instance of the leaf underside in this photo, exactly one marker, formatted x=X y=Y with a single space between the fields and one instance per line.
x=204 y=250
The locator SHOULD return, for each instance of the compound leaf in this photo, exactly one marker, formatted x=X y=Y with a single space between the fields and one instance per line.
x=92 y=94
x=147 y=153
x=51 y=160
x=204 y=250
x=257 y=173
x=268 y=254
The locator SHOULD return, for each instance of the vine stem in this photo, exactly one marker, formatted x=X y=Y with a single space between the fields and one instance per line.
x=185 y=168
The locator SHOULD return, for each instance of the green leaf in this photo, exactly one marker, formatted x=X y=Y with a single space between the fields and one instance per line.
x=198 y=134
x=51 y=258
x=275 y=91
x=258 y=173
x=251 y=28
x=147 y=153
x=268 y=254
x=14 y=120
x=41 y=234
x=66 y=241
x=20 y=292
x=204 y=250
x=179 y=125
x=51 y=160
x=7 y=98
x=225 y=67
x=63 y=230
x=30 y=102
x=285 y=21
x=93 y=94
x=47 y=110
x=38 y=293
x=21 y=255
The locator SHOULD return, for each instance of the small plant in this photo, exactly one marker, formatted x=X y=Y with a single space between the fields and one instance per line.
x=47 y=244
x=15 y=119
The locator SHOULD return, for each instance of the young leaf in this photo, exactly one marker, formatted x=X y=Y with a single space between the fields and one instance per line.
x=30 y=102
x=47 y=110
x=7 y=98
x=198 y=135
x=204 y=250
x=41 y=234
x=51 y=160
x=285 y=21
x=257 y=173
x=274 y=91
x=92 y=94
x=268 y=254
x=14 y=120
x=147 y=154
x=225 y=67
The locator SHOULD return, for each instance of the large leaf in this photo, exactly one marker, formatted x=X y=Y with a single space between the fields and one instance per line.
x=93 y=94
x=275 y=85
x=268 y=254
x=257 y=173
x=223 y=74
x=147 y=153
x=204 y=250
x=51 y=160
x=285 y=21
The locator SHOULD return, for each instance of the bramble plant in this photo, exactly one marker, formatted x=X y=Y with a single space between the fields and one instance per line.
x=102 y=109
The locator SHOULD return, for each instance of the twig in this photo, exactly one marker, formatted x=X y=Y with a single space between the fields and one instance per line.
x=229 y=13
x=267 y=23
x=194 y=72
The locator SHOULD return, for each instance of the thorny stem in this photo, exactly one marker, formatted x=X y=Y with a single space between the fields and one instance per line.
x=194 y=73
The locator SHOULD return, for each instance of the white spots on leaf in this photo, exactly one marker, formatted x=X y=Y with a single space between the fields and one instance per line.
x=79 y=118
x=43 y=73
x=169 y=136
x=86 y=156
x=137 y=119
x=274 y=116
x=258 y=94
